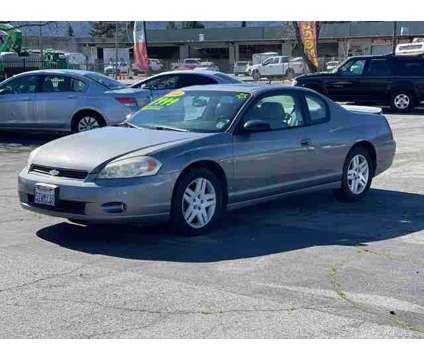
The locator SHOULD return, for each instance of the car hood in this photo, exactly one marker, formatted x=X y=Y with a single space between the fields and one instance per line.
x=86 y=151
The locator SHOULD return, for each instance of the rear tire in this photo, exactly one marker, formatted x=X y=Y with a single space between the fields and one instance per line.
x=402 y=101
x=197 y=203
x=256 y=75
x=87 y=121
x=358 y=172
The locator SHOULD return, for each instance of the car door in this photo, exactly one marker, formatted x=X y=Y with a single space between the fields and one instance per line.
x=377 y=79
x=57 y=100
x=271 y=162
x=17 y=101
x=346 y=84
x=266 y=66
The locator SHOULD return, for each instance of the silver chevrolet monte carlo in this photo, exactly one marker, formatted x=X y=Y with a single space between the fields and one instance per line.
x=190 y=155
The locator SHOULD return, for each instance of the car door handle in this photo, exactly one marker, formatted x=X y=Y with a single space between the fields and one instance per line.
x=305 y=142
x=71 y=97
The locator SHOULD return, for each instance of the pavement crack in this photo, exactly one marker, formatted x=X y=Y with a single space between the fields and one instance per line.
x=45 y=278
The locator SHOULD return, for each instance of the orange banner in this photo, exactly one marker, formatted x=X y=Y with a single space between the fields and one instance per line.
x=308 y=31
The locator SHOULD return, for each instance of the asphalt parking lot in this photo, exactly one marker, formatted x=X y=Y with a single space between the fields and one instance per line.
x=304 y=267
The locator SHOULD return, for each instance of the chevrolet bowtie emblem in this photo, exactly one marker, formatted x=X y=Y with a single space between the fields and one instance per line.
x=54 y=172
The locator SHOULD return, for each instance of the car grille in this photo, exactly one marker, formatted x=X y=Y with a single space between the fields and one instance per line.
x=65 y=173
x=74 y=207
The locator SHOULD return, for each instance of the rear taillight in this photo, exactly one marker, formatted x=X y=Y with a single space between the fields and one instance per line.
x=127 y=101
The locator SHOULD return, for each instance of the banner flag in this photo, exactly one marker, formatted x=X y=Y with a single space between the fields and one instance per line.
x=308 y=32
x=141 y=58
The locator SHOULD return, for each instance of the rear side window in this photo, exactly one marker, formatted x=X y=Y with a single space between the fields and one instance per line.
x=189 y=80
x=58 y=83
x=317 y=108
x=379 y=67
x=409 y=67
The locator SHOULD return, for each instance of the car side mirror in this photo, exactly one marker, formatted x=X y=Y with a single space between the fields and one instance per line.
x=256 y=126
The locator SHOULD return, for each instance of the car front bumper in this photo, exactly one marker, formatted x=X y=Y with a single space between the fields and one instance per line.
x=145 y=199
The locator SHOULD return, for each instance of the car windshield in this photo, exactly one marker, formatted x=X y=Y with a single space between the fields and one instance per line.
x=106 y=81
x=191 y=110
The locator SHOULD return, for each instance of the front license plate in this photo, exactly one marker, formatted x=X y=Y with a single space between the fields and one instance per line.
x=45 y=194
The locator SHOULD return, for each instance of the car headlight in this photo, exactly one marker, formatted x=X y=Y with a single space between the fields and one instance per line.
x=130 y=167
x=31 y=157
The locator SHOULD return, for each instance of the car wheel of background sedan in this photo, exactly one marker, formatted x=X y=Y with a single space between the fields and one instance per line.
x=87 y=121
x=402 y=101
x=357 y=175
x=197 y=203
x=256 y=75
x=290 y=74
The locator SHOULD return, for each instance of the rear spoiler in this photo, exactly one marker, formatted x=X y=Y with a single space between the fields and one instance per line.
x=363 y=109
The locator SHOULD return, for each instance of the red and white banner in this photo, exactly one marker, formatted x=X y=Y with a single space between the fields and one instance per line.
x=141 y=58
x=308 y=31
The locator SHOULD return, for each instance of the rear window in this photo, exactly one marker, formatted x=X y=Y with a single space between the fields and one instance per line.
x=107 y=82
x=408 y=67
x=226 y=78
x=317 y=110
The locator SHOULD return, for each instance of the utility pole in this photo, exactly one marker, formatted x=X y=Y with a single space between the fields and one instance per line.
x=394 y=38
x=116 y=49
x=40 y=42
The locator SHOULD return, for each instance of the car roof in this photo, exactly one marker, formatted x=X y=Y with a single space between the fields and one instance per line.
x=60 y=71
x=202 y=72
x=242 y=87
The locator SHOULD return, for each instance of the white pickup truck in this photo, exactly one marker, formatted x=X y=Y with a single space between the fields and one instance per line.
x=278 y=66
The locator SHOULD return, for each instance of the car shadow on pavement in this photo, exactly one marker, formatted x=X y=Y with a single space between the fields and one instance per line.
x=285 y=225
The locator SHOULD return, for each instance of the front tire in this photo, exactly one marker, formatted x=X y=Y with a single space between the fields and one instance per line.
x=358 y=172
x=197 y=202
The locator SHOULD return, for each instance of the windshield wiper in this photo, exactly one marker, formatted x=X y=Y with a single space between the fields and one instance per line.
x=161 y=127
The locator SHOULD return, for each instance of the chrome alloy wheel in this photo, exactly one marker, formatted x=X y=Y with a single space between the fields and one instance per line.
x=199 y=203
x=88 y=123
x=358 y=174
x=401 y=101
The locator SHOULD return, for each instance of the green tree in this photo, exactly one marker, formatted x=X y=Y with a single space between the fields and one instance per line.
x=171 y=25
x=102 y=29
x=69 y=30
x=192 y=25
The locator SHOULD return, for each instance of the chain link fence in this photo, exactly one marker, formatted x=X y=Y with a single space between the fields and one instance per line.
x=123 y=70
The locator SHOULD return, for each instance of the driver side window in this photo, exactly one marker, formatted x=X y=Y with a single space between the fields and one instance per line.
x=279 y=111
x=353 y=68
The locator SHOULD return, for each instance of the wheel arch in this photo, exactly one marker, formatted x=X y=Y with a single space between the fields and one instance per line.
x=87 y=111
x=211 y=165
x=371 y=150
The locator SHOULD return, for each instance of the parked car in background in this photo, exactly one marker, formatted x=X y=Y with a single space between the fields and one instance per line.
x=187 y=64
x=155 y=65
x=416 y=47
x=397 y=81
x=331 y=66
x=121 y=67
x=64 y=100
x=165 y=82
x=241 y=68
x=190 y=155
x=207 y=65
x=278 y=67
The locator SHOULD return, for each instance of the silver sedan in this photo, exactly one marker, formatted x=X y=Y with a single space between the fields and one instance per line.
x=64 y=100
x=188 y=156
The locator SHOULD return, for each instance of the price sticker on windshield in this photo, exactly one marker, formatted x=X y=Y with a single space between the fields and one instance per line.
x=242 y=96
